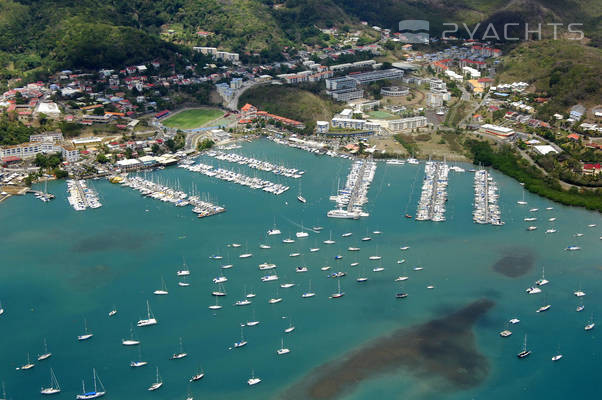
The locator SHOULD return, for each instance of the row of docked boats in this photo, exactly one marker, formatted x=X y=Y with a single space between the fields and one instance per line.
x=256 y=164
x=179 y=198
x=431 y=205
x=81 y=197
x=486 y=208
x=231 y=176
x=354 y=194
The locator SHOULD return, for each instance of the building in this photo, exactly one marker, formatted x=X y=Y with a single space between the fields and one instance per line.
x=453 y=75
x=476 y=86
x=248 y=111
x=473 y=73
x=407 y=123
x=322 y=126
x=577 y=112
x=348 y=123
x=373 y=76
x=545 y=149
x=70 y=153
x=592 y=169
x=47 y=137
x=497 y=130
x=395 y=91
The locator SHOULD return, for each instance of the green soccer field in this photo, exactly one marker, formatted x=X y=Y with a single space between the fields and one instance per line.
x=191 y=119
x=380 y=115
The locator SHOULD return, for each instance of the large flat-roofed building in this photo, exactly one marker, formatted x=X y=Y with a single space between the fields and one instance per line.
x=347 y=94
x=407 y=123
x=373 y=76
x=497 y=130
x=340 y=83
x=348 y=123
x=395 y=91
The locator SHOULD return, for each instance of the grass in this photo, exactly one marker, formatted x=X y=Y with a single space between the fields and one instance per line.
x=195 y=118
x=381 y=115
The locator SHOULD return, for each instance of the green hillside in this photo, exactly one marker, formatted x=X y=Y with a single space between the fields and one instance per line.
x=291 y=102
x=566 y=70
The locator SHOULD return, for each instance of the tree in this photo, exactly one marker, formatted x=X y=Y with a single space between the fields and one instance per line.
x=102 y=158
x=205 y=144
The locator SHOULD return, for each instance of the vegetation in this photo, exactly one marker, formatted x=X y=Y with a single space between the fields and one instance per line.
x=291 y=102
x=13 y=132
x=190 y=119
x=205 y=144
x=567 y=71
x=510 y=163
x=177 y=143
x=408 y=143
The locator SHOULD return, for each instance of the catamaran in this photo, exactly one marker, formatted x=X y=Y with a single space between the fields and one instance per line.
x=54 y=387
x=150 y=318
x=274 y=231
x=253 y=380
x=87 y=335
x=94 y=394
x=158 y=383
x=181 y=354
x=282 y=350
x=288 y=240
x=46 y=353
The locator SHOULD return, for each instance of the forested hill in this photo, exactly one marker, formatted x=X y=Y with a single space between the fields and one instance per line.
x=43 y=35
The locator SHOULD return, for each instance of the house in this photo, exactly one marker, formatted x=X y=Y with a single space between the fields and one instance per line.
x=574 y=137
x=592 y=169
x=577 y=112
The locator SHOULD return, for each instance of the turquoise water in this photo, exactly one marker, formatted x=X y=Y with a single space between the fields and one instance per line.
x=60 y=266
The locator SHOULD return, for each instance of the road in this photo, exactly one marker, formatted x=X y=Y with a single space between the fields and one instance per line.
x=233 y=104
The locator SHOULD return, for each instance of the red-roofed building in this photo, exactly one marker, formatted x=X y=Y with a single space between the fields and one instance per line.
x=592 y=169
x=574 y=136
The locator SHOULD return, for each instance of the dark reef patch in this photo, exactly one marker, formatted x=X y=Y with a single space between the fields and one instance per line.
x=515 y=263
x=112 y=241
x=443 y=348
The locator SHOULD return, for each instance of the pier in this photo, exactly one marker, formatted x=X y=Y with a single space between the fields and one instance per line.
x=353 y=196
x=80 y=196
x=434 y=192
x=177 y=197
x=231 y=176
x=486 y=208
x=256 y=164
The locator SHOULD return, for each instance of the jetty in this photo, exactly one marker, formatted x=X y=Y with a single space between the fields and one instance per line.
x=81 y=197
x=155 y=190
x=256 y=164
x=234 y=177
x=352 y=197
x=486 y=208
x=431 y=205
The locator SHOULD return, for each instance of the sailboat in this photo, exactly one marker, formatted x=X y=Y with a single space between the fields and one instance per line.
x=302 y=233
x=131 y=341
x=87 y=335
x=309 y=293
x=3 y=393
x=338 y=294
x=329 y=241
x=524 y=353
x=274 y=230
x=361 y=279
x=94 y=394
x=300 y=197
x=522 y=202
x=215 y=306
x=290 y=328
x=184 y=271
x=197 y=377
x=282 y=350
x=163 y=291
x=242 y=341
x=158 y=383
x=46 y=354
x=276 y=299
x=254 y=321
x=139 y=363
x=1 y=309
x=28 y=365
x=543 y=280
x=150 y=318
x=113 y=312
x=591 y=324
x=54 y=387
x=253 y=380
x=181 y=354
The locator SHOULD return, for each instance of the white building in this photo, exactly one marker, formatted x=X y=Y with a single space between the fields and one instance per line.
x=474 y=74
x=407 y=123
x=497 y=130
x=322 y=126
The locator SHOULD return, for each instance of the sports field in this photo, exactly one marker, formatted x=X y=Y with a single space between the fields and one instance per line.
x=190 y=119
x=381 y=115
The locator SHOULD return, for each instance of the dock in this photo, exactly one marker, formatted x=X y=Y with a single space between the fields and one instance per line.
x=256 y=164
x=354 y=194
x=80 y=196
x=486 y=208
x=431 y=206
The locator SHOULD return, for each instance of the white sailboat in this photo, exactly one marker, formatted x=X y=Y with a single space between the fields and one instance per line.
x=113 y=312
x=86 y=335
x=150 y=318
x=282 y=350
x=338 y=293
x=46 y=354
x=543 y=280
x=290 y=328
x=163 y=291
x=26 y=366
x=309 y=293
x=1 y=309
x=95 y=394
x=329 y=241
x=181 y=354
x=242 y=342
x=158 y=383
x=591 y=324
x=131 y=341
x=522 y=202
x=198 y=376
x=253 y=380
x=254 y=321
x=54 y=387
x=139 y=363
